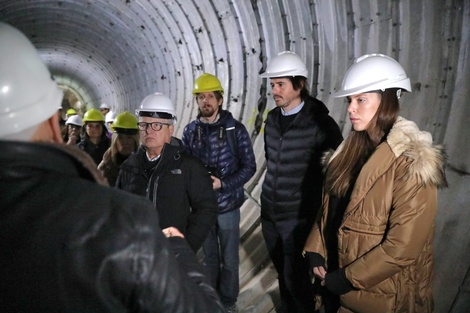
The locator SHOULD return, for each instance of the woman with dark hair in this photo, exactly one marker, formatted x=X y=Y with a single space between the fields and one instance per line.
x=124 y=141
x=94 y=136
x=371 y=246
x=71 y=131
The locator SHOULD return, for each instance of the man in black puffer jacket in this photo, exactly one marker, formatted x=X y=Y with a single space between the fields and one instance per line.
x=166 y=173
x=98 y=250
x=297 y=133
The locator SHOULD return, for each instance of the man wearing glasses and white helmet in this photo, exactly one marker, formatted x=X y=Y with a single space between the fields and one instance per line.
x=163 y=171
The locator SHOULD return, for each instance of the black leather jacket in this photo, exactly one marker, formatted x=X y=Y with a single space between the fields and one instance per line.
x=69 y=244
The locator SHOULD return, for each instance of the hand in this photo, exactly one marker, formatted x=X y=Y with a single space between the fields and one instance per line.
x=216 y=183
x=72 y=140
x=172 y=232
x=320 y=272
x=337 y=282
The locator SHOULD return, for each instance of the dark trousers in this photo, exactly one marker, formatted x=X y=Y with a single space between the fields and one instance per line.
x=285 y=241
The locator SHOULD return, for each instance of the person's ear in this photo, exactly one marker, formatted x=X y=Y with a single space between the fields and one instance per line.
x=171 y=128
x=55 y=128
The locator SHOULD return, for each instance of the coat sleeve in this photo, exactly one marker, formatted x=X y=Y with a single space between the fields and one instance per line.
x=314 y=242
x=203 y=202
x=246 y=161
x=410 y=228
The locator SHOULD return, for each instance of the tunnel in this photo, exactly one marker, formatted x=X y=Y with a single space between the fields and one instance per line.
x=119 y=51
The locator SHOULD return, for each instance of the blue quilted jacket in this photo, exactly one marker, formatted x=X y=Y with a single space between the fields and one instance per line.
x=233 y=166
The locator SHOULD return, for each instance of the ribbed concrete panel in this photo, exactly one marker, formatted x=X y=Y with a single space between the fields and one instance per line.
x=119 y=51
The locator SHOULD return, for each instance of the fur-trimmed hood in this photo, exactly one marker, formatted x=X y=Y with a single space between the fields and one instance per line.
x=405 y=139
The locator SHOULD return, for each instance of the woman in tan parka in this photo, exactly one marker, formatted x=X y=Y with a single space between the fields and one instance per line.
x=372 y=245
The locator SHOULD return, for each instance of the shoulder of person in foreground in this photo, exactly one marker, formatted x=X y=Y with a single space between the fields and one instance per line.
x=167 y=276
x=158 y=275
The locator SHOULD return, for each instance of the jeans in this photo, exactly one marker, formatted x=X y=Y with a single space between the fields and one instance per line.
x=285 y=241
x=221 y=256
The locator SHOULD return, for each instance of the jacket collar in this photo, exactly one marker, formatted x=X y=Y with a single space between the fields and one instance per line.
x=25 y=157
x=405 y=139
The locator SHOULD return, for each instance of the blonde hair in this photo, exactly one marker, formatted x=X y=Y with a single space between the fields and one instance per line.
x=113 y=148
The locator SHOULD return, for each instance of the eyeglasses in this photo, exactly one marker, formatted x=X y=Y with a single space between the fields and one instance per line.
x=156 y=126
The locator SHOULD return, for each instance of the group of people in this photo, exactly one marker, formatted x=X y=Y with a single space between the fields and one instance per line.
x=348 y=224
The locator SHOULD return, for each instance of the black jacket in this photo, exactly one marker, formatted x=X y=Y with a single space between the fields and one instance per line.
x=293 y=182
x=95 y=151
x=180 y=188
x=210 y=144
x=71 y=245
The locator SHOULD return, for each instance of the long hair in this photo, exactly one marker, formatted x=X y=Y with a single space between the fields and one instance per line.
x=343 y=170
x=113 y=148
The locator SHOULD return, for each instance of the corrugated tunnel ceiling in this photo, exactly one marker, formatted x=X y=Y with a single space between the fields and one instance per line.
x=119 y=51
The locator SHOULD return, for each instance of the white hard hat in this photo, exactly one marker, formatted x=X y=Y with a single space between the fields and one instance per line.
x=105 y=106
x=157 y=105
x=110 y=116
x=28 y=95
x=74 y=120
x=373 y=72
x=286 y=63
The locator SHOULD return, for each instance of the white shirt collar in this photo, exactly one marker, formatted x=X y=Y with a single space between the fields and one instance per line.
x=294 y=110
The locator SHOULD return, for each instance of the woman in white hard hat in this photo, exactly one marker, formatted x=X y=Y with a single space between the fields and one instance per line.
x=372 y=246
x=73 y=127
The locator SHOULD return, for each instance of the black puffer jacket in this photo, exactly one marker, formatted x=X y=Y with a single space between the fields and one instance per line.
x=293 y=183
x=100 y=251
x=234 y=166
x=179 y=187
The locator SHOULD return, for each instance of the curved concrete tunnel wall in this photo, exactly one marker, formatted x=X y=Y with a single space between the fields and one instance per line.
x=120 y=51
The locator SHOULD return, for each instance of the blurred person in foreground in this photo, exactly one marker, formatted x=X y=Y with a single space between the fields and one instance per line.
x=124 y=142
x=372 y=244
x=101 y=251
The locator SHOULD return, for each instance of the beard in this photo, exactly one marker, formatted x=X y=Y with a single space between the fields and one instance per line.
x=207 y=111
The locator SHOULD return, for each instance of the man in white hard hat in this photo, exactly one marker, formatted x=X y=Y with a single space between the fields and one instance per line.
x=167 y=174
x=96 y=251
x=297 y=133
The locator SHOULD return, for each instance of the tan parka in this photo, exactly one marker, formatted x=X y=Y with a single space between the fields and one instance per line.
x=385 y=239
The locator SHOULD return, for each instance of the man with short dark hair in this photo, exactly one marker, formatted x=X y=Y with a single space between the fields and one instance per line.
x=224 y=146
x=297 y=133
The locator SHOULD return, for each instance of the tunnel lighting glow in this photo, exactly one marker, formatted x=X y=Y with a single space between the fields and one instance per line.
x=5 y=89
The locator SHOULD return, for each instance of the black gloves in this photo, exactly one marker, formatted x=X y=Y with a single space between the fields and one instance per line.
x=337 y=283
x=315 y=259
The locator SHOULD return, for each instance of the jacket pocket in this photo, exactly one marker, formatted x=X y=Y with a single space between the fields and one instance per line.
x=356 y=239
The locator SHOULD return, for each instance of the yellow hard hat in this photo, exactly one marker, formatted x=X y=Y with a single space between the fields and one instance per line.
x=207 y=83
x=93 y=115
x=126 y=123
x=71 y=112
